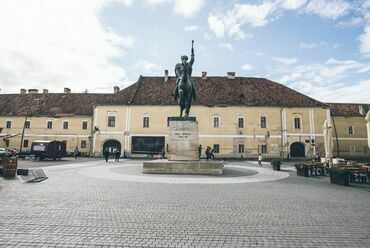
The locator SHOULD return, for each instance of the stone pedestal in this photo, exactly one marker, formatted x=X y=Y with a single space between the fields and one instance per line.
x=183 y=139
x=182 y=152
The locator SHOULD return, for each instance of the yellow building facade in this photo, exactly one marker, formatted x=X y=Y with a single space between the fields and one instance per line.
x=239 y=117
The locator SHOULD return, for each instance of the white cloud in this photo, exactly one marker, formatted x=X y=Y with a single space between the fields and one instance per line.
x=185 y=8
x=247 y=67
x=326 y=81
x=191 y=28
x=317 y=45
x=365 y=41
x=285 y=61
x=226 y=45
x=293 y=4
x=353 y=22
x=216 y=25
x=330 y=9
x=148 y=67
x=56 y=44
x=188 y=8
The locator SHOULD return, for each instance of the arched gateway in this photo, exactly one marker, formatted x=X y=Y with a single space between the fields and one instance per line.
x=297 y=150
x=112 y=145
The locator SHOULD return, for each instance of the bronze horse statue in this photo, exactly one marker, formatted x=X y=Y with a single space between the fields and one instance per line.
x=184 y=91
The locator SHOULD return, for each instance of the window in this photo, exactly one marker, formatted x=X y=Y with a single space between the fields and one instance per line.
x=8 y=124
x=25 y=143
x=241 y=148
x=111 y=121
x=263 y=121
x=65 y=125
x=352 y=150
x=216 y=121
x=241 y=122
x=146 y=121
x=50 y=125
x=351 y=129
x=83 y=143
x=27 y=124
x=263 y=148
x=84 y=125
x=217 y=148
x=297 y=123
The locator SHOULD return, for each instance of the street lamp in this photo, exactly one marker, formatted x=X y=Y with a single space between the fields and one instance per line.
x=38 y=100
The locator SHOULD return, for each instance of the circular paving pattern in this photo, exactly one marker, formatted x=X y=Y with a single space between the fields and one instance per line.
x=133 y=173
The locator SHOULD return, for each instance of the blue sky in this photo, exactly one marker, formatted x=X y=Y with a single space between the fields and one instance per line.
x=318 y=47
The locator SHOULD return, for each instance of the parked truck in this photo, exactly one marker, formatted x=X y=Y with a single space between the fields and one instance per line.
x=43 y=149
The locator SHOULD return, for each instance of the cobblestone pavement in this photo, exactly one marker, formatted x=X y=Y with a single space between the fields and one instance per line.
x=73 y=210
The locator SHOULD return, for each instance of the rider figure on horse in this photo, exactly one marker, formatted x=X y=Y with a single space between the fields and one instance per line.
x=183 y=72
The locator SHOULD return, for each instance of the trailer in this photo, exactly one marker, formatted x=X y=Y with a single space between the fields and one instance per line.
x=43 y=149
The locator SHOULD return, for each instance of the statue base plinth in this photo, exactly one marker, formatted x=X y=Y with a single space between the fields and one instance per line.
x=183 y=140
x=163 y=166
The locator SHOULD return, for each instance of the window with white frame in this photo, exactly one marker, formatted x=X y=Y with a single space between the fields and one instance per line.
x=240 y=122
x=84 y=125
x=27 y=124
x=216 y=148
x=65 y=124
x=241 y=148
x=352 y=150
x=146 y=121
x=351 y=129
x=216 y=121
x=297 y=122
x=8 y=124
x=263 y=148
x=83 y=143
x=263 y=121
x=49 y=125
x=111 y=121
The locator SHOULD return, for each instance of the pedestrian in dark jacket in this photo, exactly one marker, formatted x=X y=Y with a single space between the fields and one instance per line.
x=106 y=155
x=118 y=155
x=208 y=152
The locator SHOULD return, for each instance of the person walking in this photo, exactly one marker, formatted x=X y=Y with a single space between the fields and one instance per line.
x=118 y=155
x=211 y=154
x=208 y=152
x=200 y=150
x=106 y=154
x=260 y=159
x=76 y=152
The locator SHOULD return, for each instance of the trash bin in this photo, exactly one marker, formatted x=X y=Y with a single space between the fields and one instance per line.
x=9 y=167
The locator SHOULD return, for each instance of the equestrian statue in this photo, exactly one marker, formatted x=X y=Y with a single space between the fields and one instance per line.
x=185 y=90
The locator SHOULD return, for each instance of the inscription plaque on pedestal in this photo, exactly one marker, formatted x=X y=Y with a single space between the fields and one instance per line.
x=183 y=139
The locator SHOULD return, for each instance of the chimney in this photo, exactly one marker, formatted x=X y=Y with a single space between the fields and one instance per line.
x=204 y=75
x=23 y=91
x=231 y=75
x=67 y=90
x=165 y=75
x=33 y=91
x=116 y=89
x=45 y=91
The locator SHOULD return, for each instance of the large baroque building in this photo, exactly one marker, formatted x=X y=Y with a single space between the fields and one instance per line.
x=238 y=116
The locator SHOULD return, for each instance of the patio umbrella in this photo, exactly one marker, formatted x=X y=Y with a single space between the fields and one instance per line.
x=368 y=128
x=328 y=139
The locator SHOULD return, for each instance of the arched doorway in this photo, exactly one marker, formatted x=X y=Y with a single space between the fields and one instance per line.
x=112 y=145
x=297 y=150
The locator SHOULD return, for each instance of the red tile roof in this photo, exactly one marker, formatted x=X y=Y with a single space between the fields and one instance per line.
x=221 y=91
x=213 y=91
x=348 y=109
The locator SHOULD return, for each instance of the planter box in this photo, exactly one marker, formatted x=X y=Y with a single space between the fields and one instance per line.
x=276 y=167
x=302 y=172
x=340 y=180
x=9 y=167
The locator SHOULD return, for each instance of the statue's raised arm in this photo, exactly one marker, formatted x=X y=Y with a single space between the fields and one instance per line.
x=191 y=62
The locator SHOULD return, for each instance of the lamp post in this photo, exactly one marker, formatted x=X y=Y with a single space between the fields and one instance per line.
x=26 y=118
